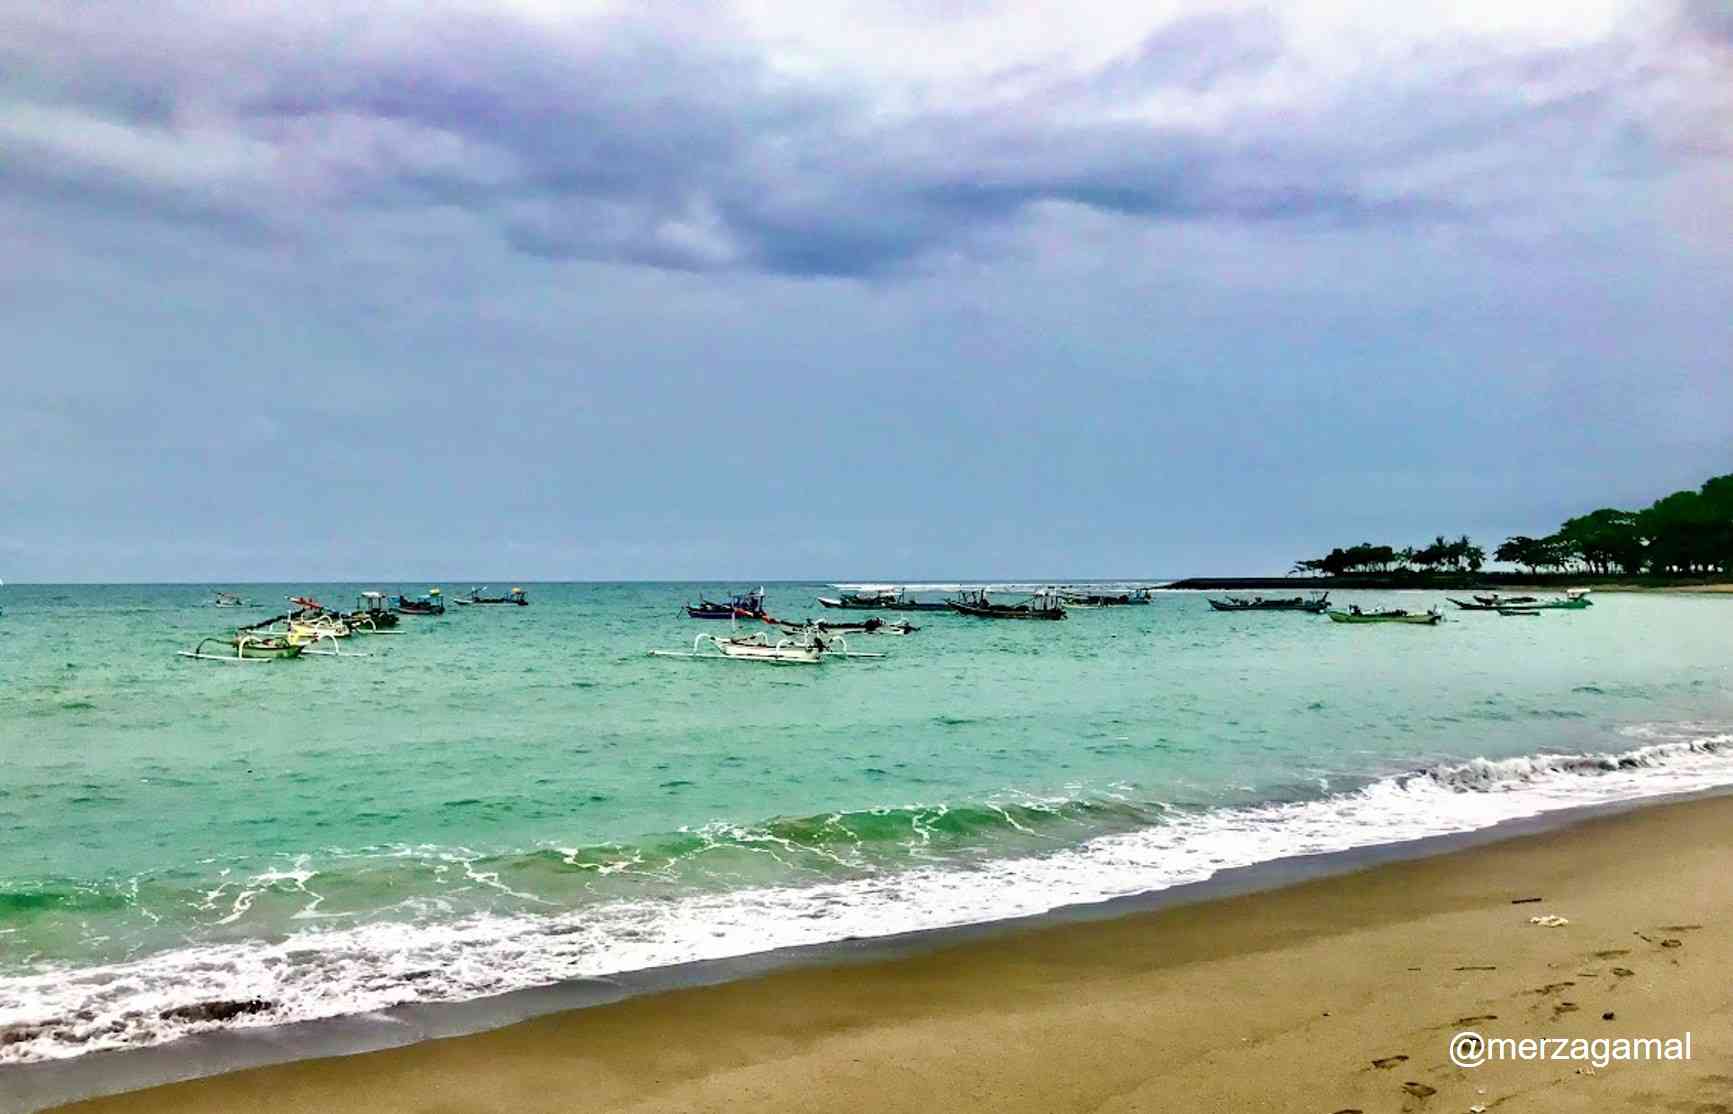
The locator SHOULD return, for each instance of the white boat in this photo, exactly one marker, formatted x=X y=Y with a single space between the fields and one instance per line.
x=809 y=647
x=758 y=647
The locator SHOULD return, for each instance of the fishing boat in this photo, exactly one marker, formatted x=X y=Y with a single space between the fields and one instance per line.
x=1040 y=605
x=1533 y=612
x=431 y=604
x=871 y=625
x=745 y=605
x=1494 y=600
x=516 y=595
x=1316 y=604
x=1076 y=597
x=809 y=647
x=230 y=599
x=1575 y=600
x=243 y=646
x=880 y=597
x=371 y=616
x=1394 y=615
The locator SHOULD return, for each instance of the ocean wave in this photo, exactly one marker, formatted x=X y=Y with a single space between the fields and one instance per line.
x=323 y=972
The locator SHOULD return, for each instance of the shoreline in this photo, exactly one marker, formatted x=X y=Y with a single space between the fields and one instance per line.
x=1449 y=582
x=300 y=1050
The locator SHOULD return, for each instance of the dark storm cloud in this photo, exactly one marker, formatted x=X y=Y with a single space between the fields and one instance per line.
x=632 y=143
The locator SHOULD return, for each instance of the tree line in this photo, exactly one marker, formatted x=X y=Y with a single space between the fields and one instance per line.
x=1687 y=533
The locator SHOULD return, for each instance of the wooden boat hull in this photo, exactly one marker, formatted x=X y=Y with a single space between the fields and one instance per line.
x=246 y=649
x=776 y=655
x=889 y=605
x=724 y=613
x=410 y=607
x=1424 y=619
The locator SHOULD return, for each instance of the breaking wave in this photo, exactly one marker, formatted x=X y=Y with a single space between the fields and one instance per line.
x=62 y=1011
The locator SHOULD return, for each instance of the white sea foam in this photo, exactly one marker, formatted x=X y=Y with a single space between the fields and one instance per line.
x=319 y=973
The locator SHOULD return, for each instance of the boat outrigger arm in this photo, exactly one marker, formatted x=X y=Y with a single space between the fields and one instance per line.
x=311 y=644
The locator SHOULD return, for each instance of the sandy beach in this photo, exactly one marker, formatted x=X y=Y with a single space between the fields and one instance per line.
x=1335 y=995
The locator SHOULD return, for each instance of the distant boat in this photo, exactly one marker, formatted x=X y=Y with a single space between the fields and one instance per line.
x=1079 y=598
x=431 y=604
x=870 y=625
x=880 y=599
x=1495 y=600
x=371 y=616
x=808 y=647
x=745 y=605
x=230 y=599
x=1530 y=611
x=1355 y=615
x=1041 y=605
x=247 y=647
x=1317 y=604
x=516 y=595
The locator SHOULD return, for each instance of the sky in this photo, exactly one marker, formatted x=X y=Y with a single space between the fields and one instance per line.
x=518 y=289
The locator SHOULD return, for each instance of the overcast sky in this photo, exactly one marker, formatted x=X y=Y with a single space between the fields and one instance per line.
x=518 y=289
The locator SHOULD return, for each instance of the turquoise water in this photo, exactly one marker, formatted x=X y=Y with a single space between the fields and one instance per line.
x=506 y=796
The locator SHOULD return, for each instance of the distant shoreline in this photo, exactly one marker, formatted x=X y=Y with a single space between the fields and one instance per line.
x=1454 y=582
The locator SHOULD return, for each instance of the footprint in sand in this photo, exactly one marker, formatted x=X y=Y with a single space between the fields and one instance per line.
x=1612 y=953
x=1419 y=1090
x=1680 y=927
x=1552 y=988
x=1475 y=1020
x=1623 y=972
x=1672 y=943
x=1390 y=1061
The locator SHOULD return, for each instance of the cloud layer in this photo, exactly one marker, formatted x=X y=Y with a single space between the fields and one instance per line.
x=1181 y=273
x=696 y=138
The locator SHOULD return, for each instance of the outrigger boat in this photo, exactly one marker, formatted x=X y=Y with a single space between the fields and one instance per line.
x=809 y=647
x=1040 y=605
x=880 y=598
x=1134 y=598
x=1395 y=615
x=311 y=626
x=872 y=625
x=230 y=599
x=516 y=595
x=1575 y=599
x=1492 y=602
x=1316 y=605
x=746 y=605
x=247 y=647
x=371 y=616
x=430 y=604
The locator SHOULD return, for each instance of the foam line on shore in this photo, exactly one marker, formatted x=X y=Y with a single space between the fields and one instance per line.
x=325 y=972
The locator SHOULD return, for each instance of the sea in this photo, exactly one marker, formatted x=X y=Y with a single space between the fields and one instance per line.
x=511 y=797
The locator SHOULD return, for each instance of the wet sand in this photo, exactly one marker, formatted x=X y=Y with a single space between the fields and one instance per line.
x=1339 y=994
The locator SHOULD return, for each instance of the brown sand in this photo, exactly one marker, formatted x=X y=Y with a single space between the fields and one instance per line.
x=1334 y=995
